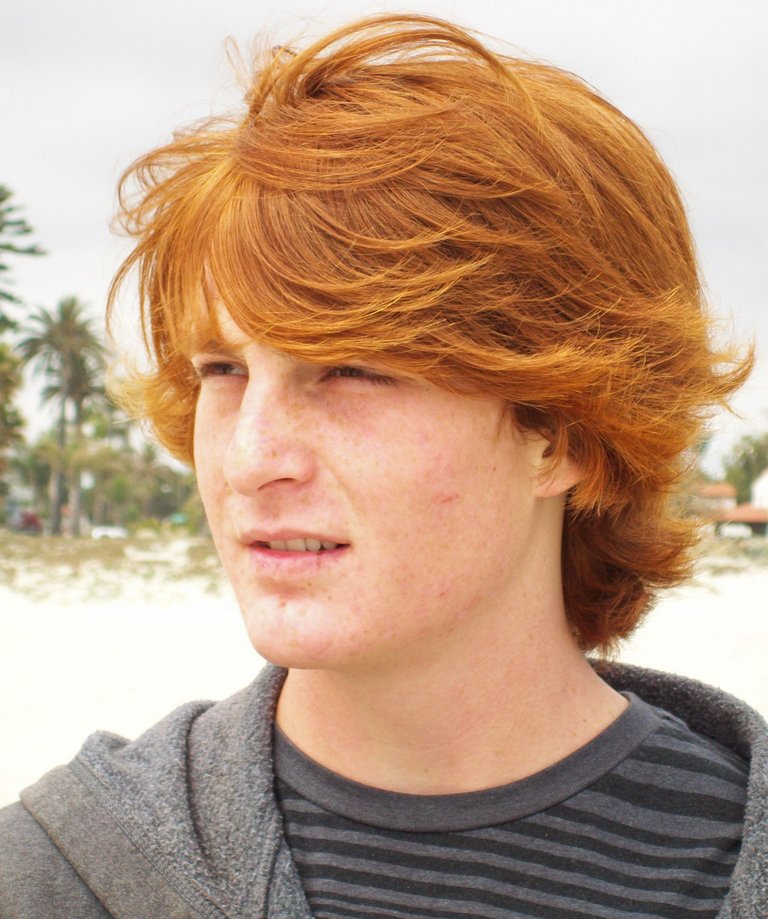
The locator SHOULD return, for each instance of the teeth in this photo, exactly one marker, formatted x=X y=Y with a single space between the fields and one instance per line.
x=302 y=545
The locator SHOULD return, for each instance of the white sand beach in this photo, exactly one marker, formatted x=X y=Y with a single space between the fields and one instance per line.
x=113 y=637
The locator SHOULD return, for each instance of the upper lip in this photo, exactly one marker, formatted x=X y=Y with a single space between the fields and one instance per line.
x=249 y=537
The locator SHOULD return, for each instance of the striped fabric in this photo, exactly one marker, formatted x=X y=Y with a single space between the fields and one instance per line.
x=644 y=821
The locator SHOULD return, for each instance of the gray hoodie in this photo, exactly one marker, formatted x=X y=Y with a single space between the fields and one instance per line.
x=183 y=822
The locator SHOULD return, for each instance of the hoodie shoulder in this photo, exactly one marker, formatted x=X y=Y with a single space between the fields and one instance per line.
x=36 y=881
x=172 y=823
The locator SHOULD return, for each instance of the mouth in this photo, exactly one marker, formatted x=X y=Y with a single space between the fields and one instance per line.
x=300 y=544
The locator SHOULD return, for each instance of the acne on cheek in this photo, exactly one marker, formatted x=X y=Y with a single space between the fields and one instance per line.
x=446 y=497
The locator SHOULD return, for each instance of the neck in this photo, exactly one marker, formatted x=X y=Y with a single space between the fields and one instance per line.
x=489 y=714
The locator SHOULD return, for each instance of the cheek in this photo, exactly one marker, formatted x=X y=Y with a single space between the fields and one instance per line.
x=472 y=501
x=434 y=476
x=439 y=501
x=208 y=446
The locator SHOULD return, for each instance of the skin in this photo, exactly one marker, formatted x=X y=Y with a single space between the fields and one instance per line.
x=434 y=637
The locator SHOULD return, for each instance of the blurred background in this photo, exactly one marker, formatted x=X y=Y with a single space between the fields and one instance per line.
x=112 y=607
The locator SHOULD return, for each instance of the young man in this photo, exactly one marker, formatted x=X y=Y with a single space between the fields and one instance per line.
x=427 y=322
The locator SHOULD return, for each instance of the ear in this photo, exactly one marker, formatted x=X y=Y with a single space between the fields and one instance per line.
x=555 y=471
x=555 y=477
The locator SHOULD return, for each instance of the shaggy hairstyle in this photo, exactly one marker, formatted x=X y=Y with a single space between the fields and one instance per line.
x=398 y=192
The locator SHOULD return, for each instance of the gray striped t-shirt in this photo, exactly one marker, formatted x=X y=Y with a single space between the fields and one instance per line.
x=643 y=821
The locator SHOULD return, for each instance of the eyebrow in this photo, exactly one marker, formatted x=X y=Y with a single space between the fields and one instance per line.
x=214 y=346
x=226 y=350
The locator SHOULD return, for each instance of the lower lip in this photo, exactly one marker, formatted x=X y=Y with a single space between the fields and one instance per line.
x=273 y=561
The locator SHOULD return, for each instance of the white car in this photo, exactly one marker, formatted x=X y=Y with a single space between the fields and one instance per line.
x=109 y=533
x=735 y=531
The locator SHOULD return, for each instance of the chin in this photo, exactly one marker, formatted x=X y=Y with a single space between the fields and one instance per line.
x=284 y=635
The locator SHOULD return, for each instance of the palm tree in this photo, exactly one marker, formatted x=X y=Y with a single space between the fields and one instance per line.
x=110 y=424
x=33 y=464
x=63 y=346
x=10 y=380
x=105 y=463
x=85 y=385
x=12 y=226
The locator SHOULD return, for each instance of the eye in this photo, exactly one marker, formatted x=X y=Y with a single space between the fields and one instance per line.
x=211 y=368
x=357 y=373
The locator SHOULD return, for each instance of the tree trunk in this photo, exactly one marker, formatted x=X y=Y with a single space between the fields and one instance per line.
x=76 y=501
x=76 y=489
x=57 y=500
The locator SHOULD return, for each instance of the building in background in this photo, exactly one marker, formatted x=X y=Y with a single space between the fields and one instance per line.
x=717 y=501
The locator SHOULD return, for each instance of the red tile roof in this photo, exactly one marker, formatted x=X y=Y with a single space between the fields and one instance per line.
x=717 y=490
x=744 y=513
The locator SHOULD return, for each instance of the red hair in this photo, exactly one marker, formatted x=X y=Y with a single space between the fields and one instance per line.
x=399 y=191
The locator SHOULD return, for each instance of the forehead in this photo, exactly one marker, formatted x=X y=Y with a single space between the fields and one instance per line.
x=216 y=327
x=209 y=326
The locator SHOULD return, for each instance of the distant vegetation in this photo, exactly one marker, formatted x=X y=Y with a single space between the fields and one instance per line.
x=93 y=467
x=747 y=460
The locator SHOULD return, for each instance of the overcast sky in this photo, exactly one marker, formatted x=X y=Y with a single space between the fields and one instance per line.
x=88 y=85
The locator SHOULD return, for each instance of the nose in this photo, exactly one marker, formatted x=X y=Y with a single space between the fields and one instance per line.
x=269 y=446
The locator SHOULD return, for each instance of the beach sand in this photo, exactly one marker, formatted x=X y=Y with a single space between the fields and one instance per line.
x=119 y=639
